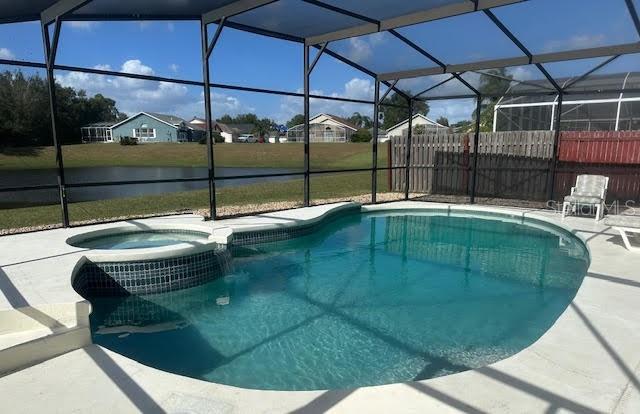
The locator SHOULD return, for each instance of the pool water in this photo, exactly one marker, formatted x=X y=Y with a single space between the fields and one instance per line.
x=366 y=299
x=142 y=239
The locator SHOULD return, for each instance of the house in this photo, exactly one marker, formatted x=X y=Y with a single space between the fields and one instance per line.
x=323 y=128
x=154 y=127
x=401 y=128
x=229 y=132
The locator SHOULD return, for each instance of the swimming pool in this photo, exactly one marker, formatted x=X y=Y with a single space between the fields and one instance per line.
x=365 y=299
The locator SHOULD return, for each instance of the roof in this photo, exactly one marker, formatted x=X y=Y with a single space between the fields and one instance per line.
x=420 y=39
x=103 y=124
x=169 y=119
x=235 y=128
x=242 y=128
x=165 y=119
x=338 y=119
x=406 y=121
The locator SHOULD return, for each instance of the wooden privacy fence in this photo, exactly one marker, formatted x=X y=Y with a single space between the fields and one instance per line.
x=510 y=164
x=517 y=164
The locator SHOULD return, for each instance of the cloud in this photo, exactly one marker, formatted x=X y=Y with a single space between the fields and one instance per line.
x=174 y=68
x=522 y=73
x=575 y=42
x=360 y=49
x=6 y=53
x=454 y=110
x=136 y=95
x=355 y=88
x=82 y=25
x=359 y=89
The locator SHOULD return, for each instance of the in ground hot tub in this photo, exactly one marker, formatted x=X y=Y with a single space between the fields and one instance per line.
x=125 y=260
x=139 y=239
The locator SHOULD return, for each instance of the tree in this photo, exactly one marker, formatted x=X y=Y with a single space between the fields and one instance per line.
x=263 y=127
x=443 y=121
x=394 y=114
x=494 y=82
x=361 y=135
x=296 y=120
x=361 y=121
x=239 y=119
x=25 y=116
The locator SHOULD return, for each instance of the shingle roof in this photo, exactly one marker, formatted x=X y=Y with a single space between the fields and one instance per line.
x=170 y=119
x=235 y=128
x=343 y=121
x=104 y=124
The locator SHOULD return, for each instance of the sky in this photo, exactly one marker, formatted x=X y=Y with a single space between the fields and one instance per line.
x=172 y=49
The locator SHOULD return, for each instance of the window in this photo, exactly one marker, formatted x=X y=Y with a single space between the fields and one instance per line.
x=144 y=133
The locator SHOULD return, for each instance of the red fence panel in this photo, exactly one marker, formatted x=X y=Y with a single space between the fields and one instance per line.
x=600 y=147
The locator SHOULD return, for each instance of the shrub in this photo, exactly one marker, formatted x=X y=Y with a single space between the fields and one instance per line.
x=128 y=141
x=217 y=138
x=361 y=135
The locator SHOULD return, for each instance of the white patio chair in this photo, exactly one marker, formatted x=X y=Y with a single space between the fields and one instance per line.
x=590 y=190
x=625 y=224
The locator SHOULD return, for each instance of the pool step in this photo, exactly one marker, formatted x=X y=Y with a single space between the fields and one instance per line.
x=29 y=335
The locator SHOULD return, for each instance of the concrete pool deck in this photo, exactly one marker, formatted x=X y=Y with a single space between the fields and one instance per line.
x=589 y=361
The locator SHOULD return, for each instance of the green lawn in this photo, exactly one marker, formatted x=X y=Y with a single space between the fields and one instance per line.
x=323 y=156
x=322 y=187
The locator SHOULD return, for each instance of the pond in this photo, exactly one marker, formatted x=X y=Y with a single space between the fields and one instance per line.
x=107 y=174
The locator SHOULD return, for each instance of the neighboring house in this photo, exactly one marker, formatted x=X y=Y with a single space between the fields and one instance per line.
x=323 y=128
x=429 y=125
x=97 y=132
x=229 y=132
x=154 y=127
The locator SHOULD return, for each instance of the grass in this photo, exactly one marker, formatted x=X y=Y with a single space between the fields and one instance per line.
x=323 y=156
x=322 y=186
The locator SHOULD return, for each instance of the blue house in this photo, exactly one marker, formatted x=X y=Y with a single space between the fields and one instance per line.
x=153 y=127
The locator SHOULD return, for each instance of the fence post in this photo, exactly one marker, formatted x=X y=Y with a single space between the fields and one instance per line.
x=374 y=171
x=389 y=165
x=476 y=140
x=556 y=146
x=408 y=153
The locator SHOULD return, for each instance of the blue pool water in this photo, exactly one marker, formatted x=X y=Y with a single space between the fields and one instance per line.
x=141 y=239
x=366 y=299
